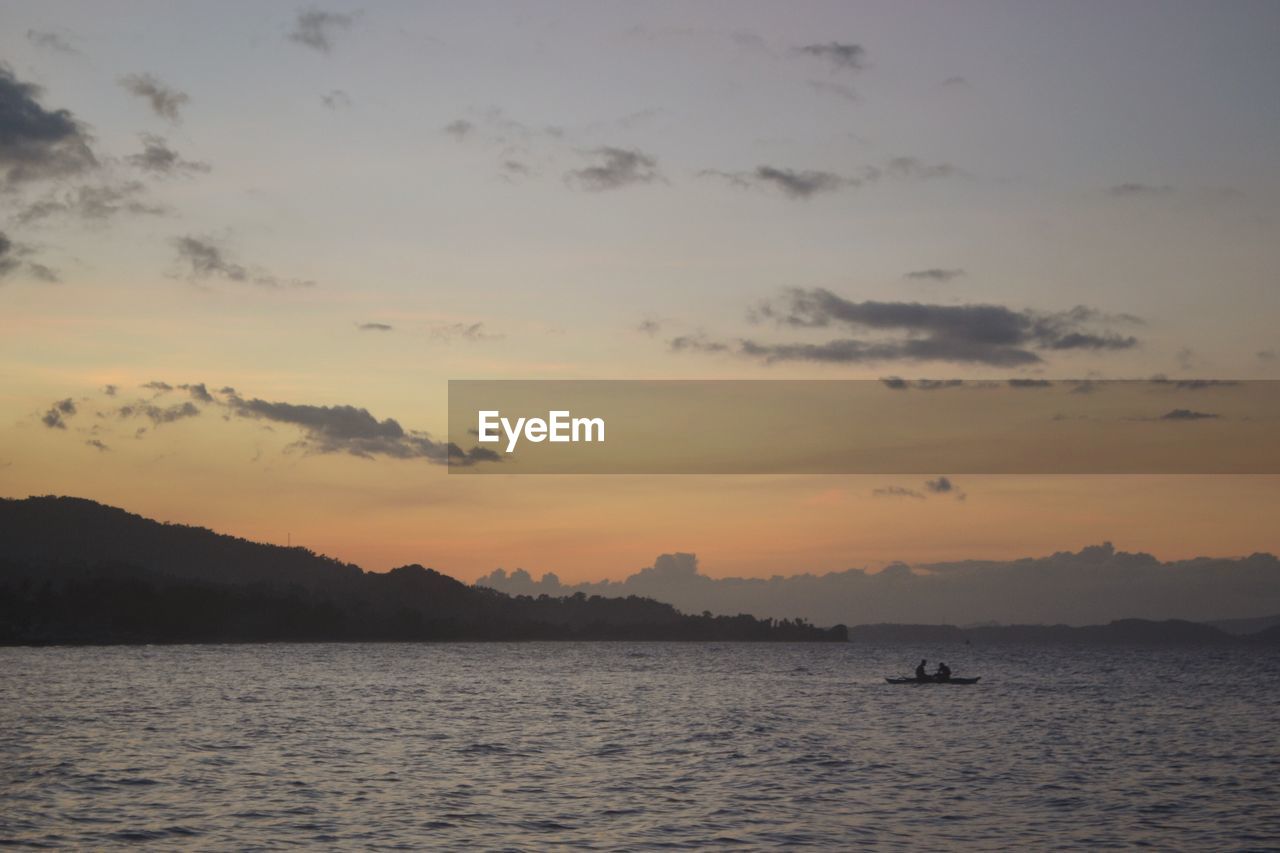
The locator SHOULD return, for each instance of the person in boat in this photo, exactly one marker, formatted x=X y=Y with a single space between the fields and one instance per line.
x=921 y=675
x=943 y=673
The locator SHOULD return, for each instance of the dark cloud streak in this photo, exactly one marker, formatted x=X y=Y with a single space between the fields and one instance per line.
x=615 y=168
x=36 y=143
x=840 y=56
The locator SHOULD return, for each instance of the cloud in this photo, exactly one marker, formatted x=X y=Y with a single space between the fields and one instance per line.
x=804 y=184
x=614 y=168
x=1138 y=190
x=94 y=202
x=935 y=274
x=513 y=170
x=317 y=29
x=696 y=343
x=205 y=259
x=40 y=272
x=36 y=143
x=1091 y=586
x=352 y=430
x=13 y=260
x=159 y=414
x=840 y=56
x=955 y=82
x=799 y=184
x=93 y=442
x=374 y=327
x=1266 y=355
x=166 y=101
x=157 y=158
x=325 y=429
x=55 y=417
x=463 y=331
x=459 y=129
x=337 y=99
x=1186 y=415
x=912 y=167
x=50 y=41
x=976 y=334
x=494 y=127
x=896 y=492
x=198 y=391
x=649 y=327
x=793 y=184
x=839 y=90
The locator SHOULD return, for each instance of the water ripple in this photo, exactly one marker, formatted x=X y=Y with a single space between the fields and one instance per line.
x=617 y=746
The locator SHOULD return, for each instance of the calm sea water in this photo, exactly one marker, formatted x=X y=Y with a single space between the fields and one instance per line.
x=607 y=745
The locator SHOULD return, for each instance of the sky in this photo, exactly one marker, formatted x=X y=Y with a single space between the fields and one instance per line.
x=314 y=216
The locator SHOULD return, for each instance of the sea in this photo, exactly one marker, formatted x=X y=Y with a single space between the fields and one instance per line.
x=637 y=746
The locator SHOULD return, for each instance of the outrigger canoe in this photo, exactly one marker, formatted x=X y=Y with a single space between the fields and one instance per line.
x=951 y=680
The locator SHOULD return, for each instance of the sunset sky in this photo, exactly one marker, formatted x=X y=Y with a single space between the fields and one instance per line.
x=226 y=229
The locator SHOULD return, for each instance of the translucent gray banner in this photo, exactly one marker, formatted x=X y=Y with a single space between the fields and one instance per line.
x=889 y=426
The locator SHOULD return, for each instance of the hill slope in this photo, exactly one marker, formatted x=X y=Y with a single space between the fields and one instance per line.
x=72 y=570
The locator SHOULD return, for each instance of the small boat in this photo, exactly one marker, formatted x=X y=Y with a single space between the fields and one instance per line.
x=952 y=680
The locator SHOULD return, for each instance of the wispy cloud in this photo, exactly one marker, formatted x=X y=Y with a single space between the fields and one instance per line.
x=461 y=331
x=806 y=183
x=97 y=202
x=1131 y=190
x=165 y=101
x=160 y=414
x=841 y=56
x=613 y=169
x=317 y=29
x=935 y=274
x=337 y=99
x=205 y=258
x=157 y=158
x=354 y=431
x=55 y=417
x=976 y=334
x=15 y=259
x=459 y=128
x=50 y=41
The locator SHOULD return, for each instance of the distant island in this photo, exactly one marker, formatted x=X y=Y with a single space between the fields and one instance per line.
x=1128 y=632
x=76 y=571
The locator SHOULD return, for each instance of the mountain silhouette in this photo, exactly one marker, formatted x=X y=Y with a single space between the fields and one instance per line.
x=1095 y=585
x=72 y=570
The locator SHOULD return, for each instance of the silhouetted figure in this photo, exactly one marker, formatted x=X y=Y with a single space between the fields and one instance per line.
x=943 y=673
x=921 y=675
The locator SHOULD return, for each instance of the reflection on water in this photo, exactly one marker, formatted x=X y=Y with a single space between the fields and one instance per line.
x=621 y=745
